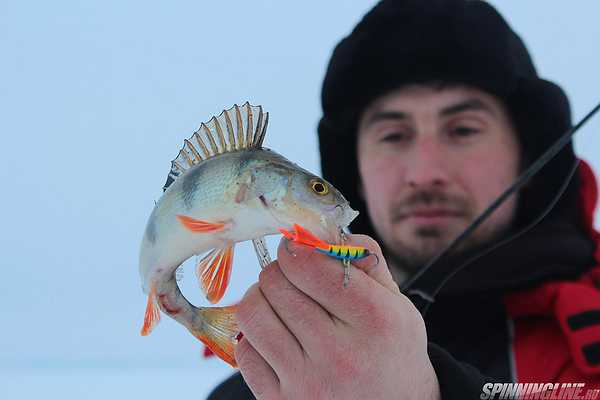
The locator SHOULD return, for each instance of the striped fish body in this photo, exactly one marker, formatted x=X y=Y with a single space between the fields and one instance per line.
x=248 y=191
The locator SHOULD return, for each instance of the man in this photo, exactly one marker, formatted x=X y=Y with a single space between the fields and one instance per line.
x=430 y=110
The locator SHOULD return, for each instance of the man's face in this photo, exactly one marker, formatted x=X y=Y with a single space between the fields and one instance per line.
x=431 y=160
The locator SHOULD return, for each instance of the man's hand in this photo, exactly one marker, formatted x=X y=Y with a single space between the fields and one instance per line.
x=308 y=337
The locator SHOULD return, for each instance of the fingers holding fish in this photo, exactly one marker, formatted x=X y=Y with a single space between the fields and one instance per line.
x=370 y=289
x=337 y=330
x=310 y=323
x=374 y=264
x=257 y=373
x=363 y=250
x=267 y=334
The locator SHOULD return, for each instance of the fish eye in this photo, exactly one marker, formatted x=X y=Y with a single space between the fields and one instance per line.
x=319 y=187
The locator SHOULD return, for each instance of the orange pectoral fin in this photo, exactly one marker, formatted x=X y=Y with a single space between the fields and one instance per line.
x=152 y=315
x=196 y=225
x=214 y=271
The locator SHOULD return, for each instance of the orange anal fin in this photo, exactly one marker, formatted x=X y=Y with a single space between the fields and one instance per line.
x=196 y=225
x=152 y=315
x=214 y=271
x=219 y=331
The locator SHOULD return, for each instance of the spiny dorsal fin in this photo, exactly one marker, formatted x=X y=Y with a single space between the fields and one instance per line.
x=238 y=128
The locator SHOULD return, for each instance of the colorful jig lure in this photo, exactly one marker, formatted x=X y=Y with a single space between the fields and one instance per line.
x=341 y=252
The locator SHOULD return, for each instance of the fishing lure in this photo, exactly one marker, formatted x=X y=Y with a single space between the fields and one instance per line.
x=342 y=252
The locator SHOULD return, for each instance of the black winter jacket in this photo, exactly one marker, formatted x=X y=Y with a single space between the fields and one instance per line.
x=469 y=331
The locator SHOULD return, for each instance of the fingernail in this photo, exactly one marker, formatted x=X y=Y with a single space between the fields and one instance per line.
x=238 y=336
x=373 y=260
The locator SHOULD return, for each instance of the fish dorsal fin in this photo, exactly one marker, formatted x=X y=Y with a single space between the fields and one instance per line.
x=239 y=128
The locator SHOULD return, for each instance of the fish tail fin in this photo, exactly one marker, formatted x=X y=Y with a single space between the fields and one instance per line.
x=304 y=236
x=152 y=314
x=219 y=331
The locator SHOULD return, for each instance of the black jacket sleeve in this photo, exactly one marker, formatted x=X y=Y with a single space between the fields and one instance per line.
x=234 y=388
x=457 y=380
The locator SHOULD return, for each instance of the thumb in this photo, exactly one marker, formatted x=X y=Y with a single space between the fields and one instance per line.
x=374 y=264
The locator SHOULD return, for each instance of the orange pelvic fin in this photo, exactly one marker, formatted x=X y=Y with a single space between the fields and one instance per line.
x=196 y=225
x=213 y=272
x=219 y=331
x=152 y=315
x=304 y=236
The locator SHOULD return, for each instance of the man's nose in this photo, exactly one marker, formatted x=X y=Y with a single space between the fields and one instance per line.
x=428 y=165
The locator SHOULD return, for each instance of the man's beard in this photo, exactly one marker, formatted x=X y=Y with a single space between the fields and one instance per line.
x=406 y=258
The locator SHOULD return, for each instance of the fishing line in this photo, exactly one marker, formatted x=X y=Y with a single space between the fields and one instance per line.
x=416 y=288
x=509 y=239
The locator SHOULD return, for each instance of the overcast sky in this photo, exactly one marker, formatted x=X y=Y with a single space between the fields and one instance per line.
x=96 y=99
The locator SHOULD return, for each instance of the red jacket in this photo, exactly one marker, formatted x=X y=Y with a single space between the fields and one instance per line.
x=557 y=325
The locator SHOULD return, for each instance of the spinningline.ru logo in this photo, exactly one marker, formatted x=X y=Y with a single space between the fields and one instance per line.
x=546 y=391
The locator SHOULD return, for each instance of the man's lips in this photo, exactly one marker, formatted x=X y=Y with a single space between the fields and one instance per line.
x=434 y=213
x=428 y=215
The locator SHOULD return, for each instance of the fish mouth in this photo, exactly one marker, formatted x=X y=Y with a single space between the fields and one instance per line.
x=339 y=217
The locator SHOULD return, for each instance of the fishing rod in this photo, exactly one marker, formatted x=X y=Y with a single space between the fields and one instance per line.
x=422 y=291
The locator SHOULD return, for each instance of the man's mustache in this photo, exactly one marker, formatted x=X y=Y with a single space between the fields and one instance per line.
x=430 y=199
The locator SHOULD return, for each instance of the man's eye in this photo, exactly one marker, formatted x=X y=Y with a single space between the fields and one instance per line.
x=463 y=131
x=393 y=137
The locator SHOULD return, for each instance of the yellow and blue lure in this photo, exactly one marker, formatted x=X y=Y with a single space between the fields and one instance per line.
x=341 y=252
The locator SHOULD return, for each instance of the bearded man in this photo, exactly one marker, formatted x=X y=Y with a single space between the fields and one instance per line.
x=431 y=109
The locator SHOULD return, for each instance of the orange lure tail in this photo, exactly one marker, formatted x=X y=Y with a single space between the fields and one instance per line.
x=305 y=237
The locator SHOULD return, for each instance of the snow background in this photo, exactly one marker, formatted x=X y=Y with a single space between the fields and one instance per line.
x=96 y=99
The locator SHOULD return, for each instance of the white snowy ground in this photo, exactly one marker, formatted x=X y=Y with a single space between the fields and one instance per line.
x=176 y=382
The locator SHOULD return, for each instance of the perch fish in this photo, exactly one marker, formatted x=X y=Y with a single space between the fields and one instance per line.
x=224 y=188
